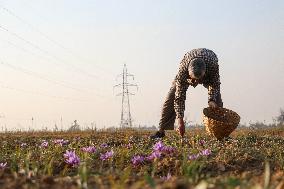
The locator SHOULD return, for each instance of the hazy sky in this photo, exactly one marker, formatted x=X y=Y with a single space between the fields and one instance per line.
x=60 y=58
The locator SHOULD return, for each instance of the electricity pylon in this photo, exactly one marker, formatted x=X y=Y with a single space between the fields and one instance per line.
x=126 y=119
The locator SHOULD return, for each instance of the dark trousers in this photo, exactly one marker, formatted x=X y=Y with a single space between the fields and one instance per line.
x=168 y=115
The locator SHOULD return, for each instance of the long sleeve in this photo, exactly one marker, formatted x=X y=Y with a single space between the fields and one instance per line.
x=214 y=85
x=181 y=88
x=211 y=80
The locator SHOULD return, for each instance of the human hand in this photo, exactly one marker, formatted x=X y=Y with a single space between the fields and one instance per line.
x=212 y=104
x=181 y=127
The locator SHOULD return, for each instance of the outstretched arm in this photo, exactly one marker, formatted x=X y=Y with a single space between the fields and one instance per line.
x=180 y=95
x=181 y=88
x=214 y=86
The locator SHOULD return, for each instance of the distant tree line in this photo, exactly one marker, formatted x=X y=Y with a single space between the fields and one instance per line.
x=280 y=118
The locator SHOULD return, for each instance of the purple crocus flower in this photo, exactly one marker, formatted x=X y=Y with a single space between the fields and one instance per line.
x=168 y=177
x=158 y=149
x=202 y=142
x=23 y=145
x=193 y=156
x=104 y=145
x=89 y=149
x=159 y=146
x=137 y=160
x=3 y=165
x=58 y=141
x=168 y=150
x=128 y=146
x=78 y=138
x=61 y=142
x=154 y=155
x=65 y=142
x=205 y=152
x=71 y=158
x=44 y=144
x=107 y=155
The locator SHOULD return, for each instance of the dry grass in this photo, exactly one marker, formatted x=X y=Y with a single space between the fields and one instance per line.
x=236 y=163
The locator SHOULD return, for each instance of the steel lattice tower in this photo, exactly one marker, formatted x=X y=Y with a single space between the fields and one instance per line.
x=126 y=119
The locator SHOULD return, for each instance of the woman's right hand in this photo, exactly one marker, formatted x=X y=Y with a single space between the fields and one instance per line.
x=181 y=127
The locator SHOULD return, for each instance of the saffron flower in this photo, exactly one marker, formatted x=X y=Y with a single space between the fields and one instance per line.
x=193 y=156
x=128 y=146
x=159 y=146
x=168 y=150
x=137 y=160
x=205 y=152
x=23 y=145
x=202 y=142
x=89 y=149
x=78 y=138
x=71 y=158
x=168 y=177
x=107 y=155
x=160 y=149
x=154 y=155
x=104 y=145
x=3 y=165
x=61 y=142
x=44 y=144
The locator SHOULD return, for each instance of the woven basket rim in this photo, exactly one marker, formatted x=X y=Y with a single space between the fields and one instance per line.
x=231 y=122
x=222 y=127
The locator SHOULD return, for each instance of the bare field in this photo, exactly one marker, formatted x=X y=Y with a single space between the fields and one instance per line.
x=252 y=158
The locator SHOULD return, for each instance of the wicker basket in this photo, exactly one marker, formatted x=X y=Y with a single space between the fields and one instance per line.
x=220 y=122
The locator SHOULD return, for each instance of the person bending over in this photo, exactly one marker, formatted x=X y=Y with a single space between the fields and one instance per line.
x=199 y=66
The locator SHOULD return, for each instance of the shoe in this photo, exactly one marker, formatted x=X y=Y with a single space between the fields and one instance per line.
x=157 y=135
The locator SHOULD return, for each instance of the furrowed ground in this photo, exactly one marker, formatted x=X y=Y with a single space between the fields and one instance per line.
x=252 y=158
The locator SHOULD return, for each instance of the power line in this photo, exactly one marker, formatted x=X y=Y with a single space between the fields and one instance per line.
x=49 y=38
x=40 y=56
x=36 y=75
x=45 y=78
x=126 y=119
x=37 y=47
x=47 y=53
x=39 y=93
x=25 y=50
